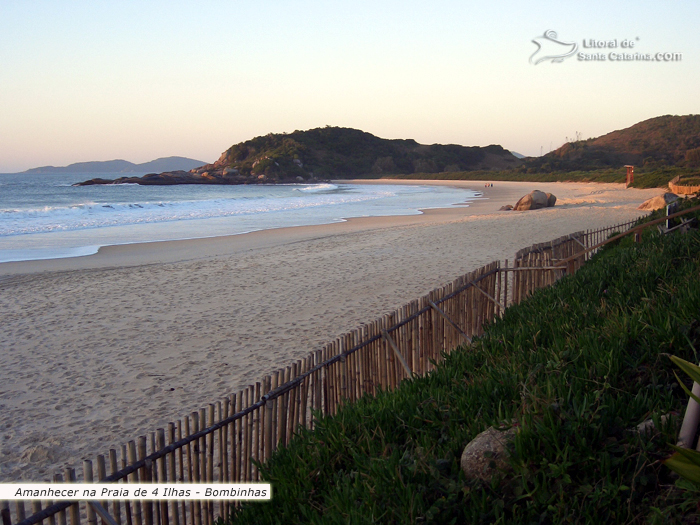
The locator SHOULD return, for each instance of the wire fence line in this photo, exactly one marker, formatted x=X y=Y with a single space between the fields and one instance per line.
x=226 y=441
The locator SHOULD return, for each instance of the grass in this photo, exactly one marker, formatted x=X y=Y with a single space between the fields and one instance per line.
x=576 y=368
x=691 y=180
x=644 y=177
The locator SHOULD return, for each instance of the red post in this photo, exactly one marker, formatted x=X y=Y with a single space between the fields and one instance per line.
x=630 y=175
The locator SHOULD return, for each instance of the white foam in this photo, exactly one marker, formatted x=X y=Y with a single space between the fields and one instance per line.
x=100 y=215
x=86 y=217
x=316 y=188
x=46 y=253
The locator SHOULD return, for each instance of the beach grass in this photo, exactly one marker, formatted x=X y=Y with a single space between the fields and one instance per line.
x=649 y=177
x=575 y=368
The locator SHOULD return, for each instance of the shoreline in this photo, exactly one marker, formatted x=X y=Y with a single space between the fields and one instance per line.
x=101 y=349
x=77 y=260
x=167 y=251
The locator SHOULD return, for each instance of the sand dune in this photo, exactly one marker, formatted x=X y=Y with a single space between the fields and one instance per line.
x=97 y=350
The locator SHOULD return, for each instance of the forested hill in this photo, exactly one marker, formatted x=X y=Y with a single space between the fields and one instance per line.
x=661 y=141
x=334 y=152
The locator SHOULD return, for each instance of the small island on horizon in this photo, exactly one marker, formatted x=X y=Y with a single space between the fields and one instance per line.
x=122 y=166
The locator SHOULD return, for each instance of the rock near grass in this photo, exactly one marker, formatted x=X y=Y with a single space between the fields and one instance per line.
x=485 y=456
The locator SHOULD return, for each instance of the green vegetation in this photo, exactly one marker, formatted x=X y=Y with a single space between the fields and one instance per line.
x=692 y=157
x=689 y=179
x=660 y=149
x=643 y=177
x=682 y=204
x=333 y=152
x=576 y=368
x=662 y=141
x=686 y=462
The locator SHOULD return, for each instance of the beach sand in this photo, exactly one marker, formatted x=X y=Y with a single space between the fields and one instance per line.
x=97 y=350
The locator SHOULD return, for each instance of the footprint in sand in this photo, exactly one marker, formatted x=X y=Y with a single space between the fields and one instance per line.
x=151 y=391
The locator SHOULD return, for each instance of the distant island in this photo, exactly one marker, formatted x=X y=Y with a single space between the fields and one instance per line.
x=323 y=153
x=122 y=166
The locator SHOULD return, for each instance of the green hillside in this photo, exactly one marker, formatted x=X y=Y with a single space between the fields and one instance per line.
x=334 y=152
x=660 y=148
x=662 y=141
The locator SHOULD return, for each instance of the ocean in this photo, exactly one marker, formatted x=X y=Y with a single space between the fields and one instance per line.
x=43 y=216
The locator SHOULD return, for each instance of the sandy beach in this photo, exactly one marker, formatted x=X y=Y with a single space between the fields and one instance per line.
x=98 y=350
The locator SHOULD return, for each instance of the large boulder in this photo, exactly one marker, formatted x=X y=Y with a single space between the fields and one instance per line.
x=658 y=202
x=535 y=200
x=524 y=204
x=485 y=456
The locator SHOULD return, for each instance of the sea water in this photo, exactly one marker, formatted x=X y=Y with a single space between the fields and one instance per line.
x=43 y=216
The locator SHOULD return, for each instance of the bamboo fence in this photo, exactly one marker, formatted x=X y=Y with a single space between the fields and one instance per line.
x=682 y=189
x=228 y=440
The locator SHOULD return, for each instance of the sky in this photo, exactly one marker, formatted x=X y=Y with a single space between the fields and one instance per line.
x=138 y=80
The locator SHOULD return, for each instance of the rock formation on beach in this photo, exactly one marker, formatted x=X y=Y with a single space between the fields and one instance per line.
x=535 y=200
x=196 y=176
x=658 y=202
x=173 y=177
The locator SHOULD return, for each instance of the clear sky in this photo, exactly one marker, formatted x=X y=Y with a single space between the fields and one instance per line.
x=136 y=80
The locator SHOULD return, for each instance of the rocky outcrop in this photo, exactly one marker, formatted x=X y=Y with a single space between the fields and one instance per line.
x=658 y=202
x=535 y=200
x=208 y=174
x=486 y=455
x=155 y=179
x=329 y=152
